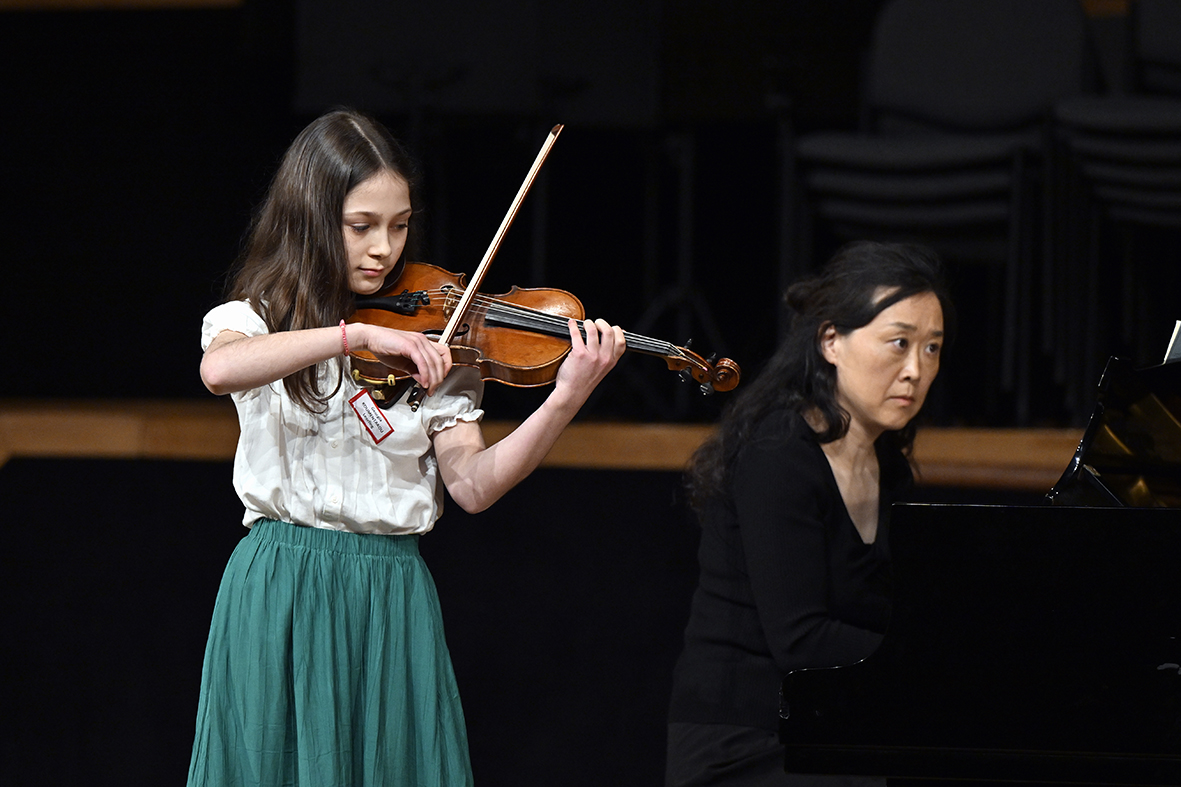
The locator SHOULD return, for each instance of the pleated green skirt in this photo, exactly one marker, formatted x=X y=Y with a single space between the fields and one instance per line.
x=326 y=665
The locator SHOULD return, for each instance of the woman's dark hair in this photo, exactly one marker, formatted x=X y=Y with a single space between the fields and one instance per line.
x=846 y=294
x=294 y=270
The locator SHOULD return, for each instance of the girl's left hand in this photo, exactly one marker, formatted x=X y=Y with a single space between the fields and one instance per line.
x=590 y=359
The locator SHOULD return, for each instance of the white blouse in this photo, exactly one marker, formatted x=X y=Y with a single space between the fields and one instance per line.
x=326 y=469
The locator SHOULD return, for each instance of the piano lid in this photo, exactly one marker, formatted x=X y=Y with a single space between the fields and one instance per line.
x=1031 y=643
x=1130 y=453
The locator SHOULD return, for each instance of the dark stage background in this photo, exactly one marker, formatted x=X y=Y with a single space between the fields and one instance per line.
x=136 y=144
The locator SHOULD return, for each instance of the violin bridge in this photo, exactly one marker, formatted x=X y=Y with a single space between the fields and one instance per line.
x=450 y=300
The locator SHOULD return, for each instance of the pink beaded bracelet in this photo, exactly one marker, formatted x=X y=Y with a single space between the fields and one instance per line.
x=344 y=338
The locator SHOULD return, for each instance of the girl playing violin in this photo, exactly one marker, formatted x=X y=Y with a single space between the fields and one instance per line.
x=326 y=661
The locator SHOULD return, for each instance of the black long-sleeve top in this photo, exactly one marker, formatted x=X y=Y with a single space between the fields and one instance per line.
x=785 y=580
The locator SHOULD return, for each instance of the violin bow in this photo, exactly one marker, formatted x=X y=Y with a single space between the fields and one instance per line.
x=415 y=397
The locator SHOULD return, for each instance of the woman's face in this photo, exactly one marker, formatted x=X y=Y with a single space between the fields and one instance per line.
x=376 y=220
x=885 y=368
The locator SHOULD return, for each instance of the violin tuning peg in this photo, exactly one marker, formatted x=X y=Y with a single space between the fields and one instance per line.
x=710 y=360
x=688 y=344
x=685 y=375
x=707 y=390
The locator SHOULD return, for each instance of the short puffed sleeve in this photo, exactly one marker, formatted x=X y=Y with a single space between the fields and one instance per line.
x=236 y=316
x=456 y=399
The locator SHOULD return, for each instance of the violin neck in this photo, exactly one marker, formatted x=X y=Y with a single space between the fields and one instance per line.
x=555 y=325
x=644 y=344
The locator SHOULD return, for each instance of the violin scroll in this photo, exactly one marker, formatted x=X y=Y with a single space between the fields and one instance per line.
x=710 y=375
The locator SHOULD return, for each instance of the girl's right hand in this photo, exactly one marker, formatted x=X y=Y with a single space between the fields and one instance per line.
x=408 y=352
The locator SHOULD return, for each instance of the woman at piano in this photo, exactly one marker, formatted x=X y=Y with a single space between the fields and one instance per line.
x=792 y=494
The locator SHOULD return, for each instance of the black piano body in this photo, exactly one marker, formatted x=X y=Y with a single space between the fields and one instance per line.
x=1036 y=644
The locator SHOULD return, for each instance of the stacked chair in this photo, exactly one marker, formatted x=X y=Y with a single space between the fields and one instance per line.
x=1119 y=180
x=951 y=151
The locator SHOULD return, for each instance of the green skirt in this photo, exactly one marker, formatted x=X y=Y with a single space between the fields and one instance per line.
x=327 y=665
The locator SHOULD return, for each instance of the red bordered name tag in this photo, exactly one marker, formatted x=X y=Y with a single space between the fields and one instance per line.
x=371 y=416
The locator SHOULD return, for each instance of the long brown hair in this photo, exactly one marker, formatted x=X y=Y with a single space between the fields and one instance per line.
x=294 y=270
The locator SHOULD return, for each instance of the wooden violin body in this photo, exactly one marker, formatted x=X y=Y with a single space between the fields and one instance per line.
x=423 y=300
x=518 y=338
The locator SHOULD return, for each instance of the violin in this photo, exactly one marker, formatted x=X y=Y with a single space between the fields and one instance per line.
x=518 y=338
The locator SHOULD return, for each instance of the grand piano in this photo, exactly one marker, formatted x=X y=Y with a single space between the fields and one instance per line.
x=1036 y=644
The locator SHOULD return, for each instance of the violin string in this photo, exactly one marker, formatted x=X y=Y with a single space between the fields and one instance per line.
x=533 y=319
x=539 y=321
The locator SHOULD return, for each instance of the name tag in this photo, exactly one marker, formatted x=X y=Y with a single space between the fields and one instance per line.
x=371 y=416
